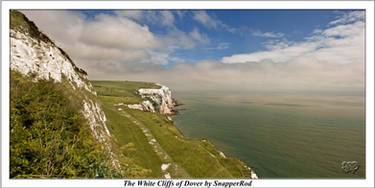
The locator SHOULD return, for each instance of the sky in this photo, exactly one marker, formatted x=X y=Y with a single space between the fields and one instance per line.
x=239 y=50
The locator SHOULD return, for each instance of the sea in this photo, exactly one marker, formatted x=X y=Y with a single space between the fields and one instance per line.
x=281 y=135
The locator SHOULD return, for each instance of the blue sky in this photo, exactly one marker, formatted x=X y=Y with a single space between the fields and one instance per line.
x=246 y=23
x=239 y=49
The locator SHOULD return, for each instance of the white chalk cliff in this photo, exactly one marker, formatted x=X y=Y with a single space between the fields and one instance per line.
x=44 y=60
x=156 y=100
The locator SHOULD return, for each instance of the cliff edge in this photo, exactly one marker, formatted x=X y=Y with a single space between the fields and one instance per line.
x=156 y=100
x=38 y=59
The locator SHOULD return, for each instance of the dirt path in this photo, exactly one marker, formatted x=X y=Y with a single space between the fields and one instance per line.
x=169 y=167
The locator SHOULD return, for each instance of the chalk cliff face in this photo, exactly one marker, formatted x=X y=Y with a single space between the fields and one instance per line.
x=30 y=55
x=157 y=100
x=44 y=60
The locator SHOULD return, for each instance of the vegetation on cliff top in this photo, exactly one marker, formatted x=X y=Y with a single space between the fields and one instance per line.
x=48 y=135
x=19 y=22
x=200 y=159
x=122 y=91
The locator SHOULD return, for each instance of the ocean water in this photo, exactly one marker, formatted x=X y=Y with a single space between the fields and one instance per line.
x=280 y=135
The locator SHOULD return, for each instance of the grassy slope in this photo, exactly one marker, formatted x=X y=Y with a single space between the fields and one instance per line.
x=199 y=158
x=49 y=137
x=131 y=142
x=115 y=92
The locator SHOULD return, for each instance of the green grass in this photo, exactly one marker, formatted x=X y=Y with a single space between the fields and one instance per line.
x=193 y=155
x=121 y=91
x=49 y=138
x=199 y=158
x=131 y=142
x=129 y=139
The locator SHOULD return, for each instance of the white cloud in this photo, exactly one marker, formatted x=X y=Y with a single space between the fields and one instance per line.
x=178 y=39
x=71 y=21
x=277 y=44
x=133 y=14
x=331 y=60
x=339 y=44
x=158 y=57
x=115 y=39
x=317 y=31
x=210 y=22
x=119 y=33
x=180 y=13
x=104 y=39
x=165 y=18
x=350 y=17
x=220 y=46
x=297 y=75
x=202 y=38
x=205 y=19
x=348 y=30
x=259 y=33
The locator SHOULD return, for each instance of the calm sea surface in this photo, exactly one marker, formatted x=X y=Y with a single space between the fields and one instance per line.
x=280 y=136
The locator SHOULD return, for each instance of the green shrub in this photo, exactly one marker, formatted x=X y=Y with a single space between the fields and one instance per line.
x=48 y=135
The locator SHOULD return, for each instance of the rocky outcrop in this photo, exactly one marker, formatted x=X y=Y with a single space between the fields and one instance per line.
x=156 y=100
x=144 y=106
x=44 y=60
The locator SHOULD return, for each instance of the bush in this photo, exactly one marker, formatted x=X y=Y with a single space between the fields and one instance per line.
x=48 y=135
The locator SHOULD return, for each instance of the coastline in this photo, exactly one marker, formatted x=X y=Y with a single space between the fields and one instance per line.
x=160 y=101
x=175 y=112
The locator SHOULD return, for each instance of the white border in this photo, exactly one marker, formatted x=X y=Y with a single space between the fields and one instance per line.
x=368 y=5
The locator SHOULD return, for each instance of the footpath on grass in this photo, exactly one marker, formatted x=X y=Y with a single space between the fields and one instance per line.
x=169 y=167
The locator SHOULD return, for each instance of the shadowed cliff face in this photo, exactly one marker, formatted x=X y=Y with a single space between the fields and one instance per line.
x=36 y=55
